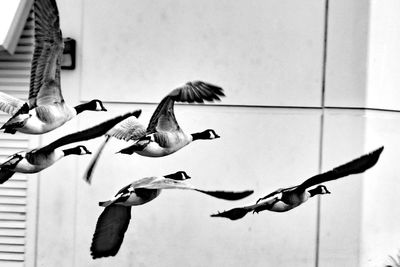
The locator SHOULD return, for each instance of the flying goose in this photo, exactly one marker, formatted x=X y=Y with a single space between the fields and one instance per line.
x=114 y=220
x=38 y=159
x=285 y=199
x=45 y=109
x=163 y=135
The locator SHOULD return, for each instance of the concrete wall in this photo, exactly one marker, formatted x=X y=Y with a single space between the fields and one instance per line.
x=279 y=124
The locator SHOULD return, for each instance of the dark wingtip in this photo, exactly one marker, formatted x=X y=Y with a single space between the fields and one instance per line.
x=374 y=155
x=233 y=214
x=137 y=113
x=379 y=150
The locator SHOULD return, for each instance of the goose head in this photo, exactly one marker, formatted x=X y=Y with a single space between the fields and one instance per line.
x=83 y=150
x=208 y=134
x=180 y=175
x=78 y=150
x=319 y=190
x=94 y=105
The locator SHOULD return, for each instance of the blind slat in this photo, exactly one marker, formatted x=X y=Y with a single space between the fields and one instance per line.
x=14 y=80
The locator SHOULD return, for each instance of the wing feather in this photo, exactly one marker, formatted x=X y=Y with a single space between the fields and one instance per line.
x=163 y=119
x=10 y=104
x=93 y=162
x=355 y=166
x=47 y=55
x=168 y=183
x=128 y=129
x=90 y=133
x=110 y=230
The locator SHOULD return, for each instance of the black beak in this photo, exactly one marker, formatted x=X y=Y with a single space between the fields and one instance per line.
x=217 y=136
x=103 y=109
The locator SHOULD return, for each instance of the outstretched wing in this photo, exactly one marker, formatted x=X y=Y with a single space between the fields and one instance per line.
x=167 y=183
x=355 y=166
x=128 y=129
x=10 y=104
x=163 y=118
x=110 y=230
x=87 y=134
x=93 y=162
x=46 y=62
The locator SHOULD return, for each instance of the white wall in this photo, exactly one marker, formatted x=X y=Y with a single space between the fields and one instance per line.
x=268 y=55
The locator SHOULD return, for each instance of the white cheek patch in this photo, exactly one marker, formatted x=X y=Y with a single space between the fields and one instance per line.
x=212 y=135
x=98 y=106
x=82 y=151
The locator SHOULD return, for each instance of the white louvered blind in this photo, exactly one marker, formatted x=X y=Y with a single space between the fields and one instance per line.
x=17 y=196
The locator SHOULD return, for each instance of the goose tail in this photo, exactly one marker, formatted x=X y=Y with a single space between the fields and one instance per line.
x=233 y=214
x=131 y=149
x=93 y=162
x=17 y=120
x=5 y=175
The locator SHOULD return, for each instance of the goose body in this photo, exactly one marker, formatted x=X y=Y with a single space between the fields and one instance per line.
x=45 y=109
x=163 y=135
x=285 y=199
x=28 y=162
x=114 y=220
x=44 y=119
x=39 y=159
x=161 y=144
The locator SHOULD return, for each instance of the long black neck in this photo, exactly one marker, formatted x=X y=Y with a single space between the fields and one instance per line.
x=83 y=107
x=72 y=151
x=202 y=135
x=314 y=192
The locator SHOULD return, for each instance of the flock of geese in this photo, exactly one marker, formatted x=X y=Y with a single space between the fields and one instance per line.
x=47 y=110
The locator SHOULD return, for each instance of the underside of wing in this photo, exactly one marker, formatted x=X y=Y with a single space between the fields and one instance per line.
x=47 y=55
x=128 y=129
x=141 y=183
x=110 y=230
x=90 y=133
x=167 y=183
x=10 y=104
x=164 y=183
x=355 y=166
x=163 y=118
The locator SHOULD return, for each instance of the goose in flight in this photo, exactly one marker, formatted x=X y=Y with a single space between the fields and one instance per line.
x=114 y=220
x=45 y=109
x=163 y=136
x=285 y=199
x=41 y=158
